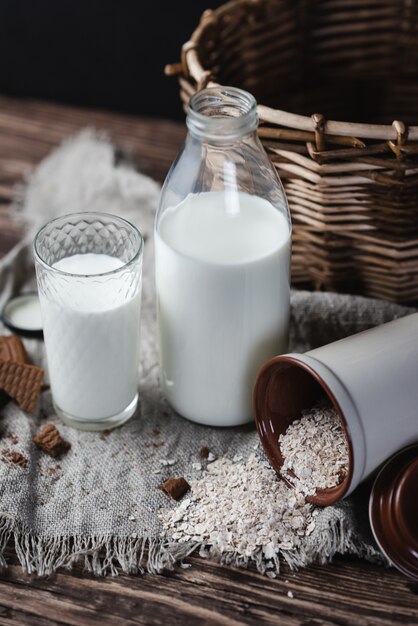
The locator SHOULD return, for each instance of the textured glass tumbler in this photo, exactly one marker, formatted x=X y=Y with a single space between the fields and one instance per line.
x=88 y=268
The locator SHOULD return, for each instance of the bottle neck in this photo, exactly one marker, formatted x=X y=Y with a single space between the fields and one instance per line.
x=222 y=114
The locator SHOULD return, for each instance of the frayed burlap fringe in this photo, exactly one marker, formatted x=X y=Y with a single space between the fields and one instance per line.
x=337 y=538
x=103 y=555
x=100 y=555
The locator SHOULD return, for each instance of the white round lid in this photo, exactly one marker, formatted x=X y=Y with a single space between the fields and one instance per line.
x=22 y=314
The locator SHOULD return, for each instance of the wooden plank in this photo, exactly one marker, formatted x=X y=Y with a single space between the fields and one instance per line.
x=30 y=129
x=347 y=593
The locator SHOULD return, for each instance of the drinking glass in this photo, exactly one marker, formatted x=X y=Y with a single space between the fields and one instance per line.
x=89 y=273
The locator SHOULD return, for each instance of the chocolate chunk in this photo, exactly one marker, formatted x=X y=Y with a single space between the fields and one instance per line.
x=204 y=452
x=21 y=382
x=12 y=349
x=14 y=457
x=50 y=441
x=175 y=487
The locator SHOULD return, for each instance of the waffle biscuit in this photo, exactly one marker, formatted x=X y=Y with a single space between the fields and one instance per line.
x=22 y=382
x=50 y=441
x=12 y=349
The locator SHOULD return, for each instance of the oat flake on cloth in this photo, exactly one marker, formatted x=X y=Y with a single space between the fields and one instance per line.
x=99 y=503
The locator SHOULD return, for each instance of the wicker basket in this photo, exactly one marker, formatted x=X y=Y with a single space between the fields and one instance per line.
x=352 y=185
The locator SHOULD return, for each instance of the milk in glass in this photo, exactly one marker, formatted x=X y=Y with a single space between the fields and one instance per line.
x=91 y=341
x=89 y=268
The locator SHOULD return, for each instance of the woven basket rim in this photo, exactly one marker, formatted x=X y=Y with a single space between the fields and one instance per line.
x=191 y=66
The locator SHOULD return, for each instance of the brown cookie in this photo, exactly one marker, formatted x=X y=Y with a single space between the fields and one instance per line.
x=175 y=487
x=50 y=441
x=21 y=382
x=12 y=349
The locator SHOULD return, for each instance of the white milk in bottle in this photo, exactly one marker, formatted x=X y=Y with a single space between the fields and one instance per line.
x=222 y=276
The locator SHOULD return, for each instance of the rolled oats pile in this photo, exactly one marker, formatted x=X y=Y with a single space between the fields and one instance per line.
x=315 y=450
x=242 y=512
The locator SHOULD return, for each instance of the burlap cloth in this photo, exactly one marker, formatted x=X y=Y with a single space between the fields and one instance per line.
x=99 y=503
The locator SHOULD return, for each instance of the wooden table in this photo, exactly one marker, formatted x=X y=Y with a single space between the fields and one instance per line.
x=347 y=592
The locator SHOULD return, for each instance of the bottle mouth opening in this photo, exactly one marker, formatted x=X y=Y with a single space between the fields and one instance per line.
x=222 y=113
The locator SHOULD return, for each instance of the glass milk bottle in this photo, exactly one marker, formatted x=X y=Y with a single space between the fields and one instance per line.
x=222 y=246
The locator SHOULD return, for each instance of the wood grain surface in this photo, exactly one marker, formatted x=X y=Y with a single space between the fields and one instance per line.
x=346 y=593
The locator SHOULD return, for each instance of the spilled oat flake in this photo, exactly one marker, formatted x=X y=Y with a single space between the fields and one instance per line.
x=241 y=511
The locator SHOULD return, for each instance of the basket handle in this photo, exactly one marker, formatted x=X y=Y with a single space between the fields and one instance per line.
x=319 y=130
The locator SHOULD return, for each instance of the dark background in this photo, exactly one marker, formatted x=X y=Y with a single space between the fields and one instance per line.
x=97 y=53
